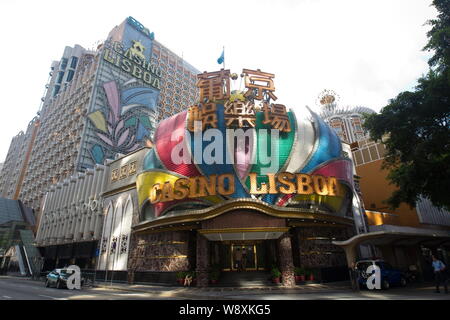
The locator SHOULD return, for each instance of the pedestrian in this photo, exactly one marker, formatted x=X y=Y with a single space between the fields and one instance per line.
x=439 y=273
x=354 y=276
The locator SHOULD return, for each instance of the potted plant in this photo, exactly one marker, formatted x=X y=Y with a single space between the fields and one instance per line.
x=180 y=277
x=214 y=276
x=276 y=274
x=311 y=276
x=299 y=274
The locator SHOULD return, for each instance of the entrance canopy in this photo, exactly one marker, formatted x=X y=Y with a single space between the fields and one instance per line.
x=243 y=234
x=393 y=235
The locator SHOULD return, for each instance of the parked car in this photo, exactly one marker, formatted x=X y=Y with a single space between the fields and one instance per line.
x=390 y=276
x=57 y=278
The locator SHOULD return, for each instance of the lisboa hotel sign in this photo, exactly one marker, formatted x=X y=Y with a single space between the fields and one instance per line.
x=133 y=61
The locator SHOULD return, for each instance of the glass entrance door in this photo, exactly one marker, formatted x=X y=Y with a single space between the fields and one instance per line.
x=243 y=257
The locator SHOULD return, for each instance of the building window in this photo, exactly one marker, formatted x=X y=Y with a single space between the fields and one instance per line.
x=56 y=90
x=104 y=245
x=358 y=127
x=63 y=63
x=73 y=63
x=60 y=77
x=113 y=245
x=70 y=75
x=124 y=244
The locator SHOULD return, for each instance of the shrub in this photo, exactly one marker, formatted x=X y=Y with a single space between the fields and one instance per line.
x=299 y=271
x=275 y=272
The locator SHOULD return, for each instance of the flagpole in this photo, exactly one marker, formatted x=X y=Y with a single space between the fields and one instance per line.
x=223 y=57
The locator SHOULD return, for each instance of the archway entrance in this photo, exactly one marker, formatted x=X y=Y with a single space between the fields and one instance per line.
x=244 y=257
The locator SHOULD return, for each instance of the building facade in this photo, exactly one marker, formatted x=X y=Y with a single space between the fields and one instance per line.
x=71 y=220
x=160 y=215
x=411 y=234
x=98 y=105
x=346 y=121
x=17 y=161
x=405 y=236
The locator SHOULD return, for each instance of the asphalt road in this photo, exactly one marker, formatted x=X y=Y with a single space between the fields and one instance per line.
x=24 y=289
x=12 y=288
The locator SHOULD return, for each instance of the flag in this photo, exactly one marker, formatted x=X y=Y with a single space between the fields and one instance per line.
x=221 y=58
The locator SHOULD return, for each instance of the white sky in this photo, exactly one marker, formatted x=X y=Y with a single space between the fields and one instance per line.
x=366 y=51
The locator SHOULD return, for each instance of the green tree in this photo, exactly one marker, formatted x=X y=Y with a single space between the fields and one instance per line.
x=415 y=126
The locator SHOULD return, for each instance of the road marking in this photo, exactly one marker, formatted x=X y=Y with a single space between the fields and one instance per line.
x=7 y=297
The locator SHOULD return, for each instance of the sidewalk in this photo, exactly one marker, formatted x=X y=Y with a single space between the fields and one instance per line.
x=221 y=292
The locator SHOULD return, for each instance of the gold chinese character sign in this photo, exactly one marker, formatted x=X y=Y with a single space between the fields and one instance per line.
x=276 y=115
x=259 y=84
x=214 y=85
x=205 y=113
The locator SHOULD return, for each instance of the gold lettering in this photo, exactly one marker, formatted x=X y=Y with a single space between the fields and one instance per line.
x=333 y=187
x=203 y=186
x=155 y=193
x=115 y=175
x=193 y=188
x=285 y=178
x=207 y=188
x=181 y=189
x=132 y=168
x=167 y=192
x=254 y=185
x=304 y=184
x=221 y=185
x=123 y=172
x=272 y=183
x=320 y=185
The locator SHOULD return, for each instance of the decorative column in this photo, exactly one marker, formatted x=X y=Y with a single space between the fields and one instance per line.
x=202 y=261
x=286 y=262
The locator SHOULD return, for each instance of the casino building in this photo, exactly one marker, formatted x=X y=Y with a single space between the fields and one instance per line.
x=237 y=172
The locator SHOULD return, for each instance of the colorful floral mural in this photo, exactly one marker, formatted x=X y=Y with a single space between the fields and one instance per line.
x=125 y=123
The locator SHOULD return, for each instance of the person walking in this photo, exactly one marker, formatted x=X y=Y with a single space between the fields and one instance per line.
x=439 y=273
